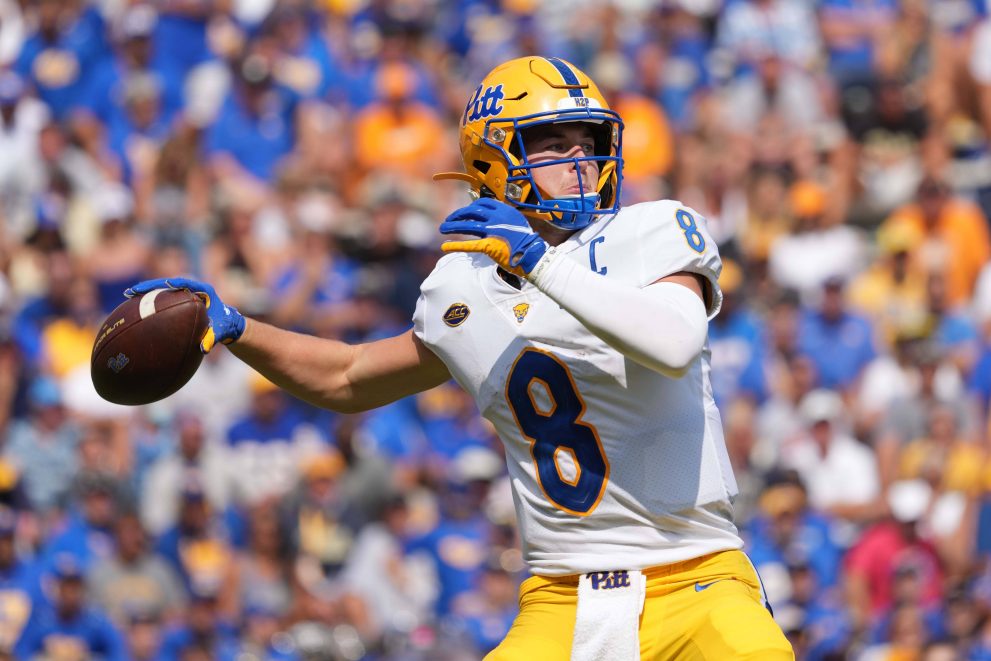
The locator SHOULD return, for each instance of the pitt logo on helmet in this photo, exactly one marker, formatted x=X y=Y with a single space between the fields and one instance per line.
x=483 y=104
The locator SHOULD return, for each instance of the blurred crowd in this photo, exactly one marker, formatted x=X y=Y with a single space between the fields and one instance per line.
x=282 y=150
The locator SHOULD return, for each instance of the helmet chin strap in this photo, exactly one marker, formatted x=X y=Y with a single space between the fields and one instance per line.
x=573 y=213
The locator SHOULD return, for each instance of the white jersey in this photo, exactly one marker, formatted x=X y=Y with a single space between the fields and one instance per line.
x=613 y=465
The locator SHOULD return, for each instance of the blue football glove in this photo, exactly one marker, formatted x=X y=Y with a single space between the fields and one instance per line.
x=504 y=235
x=225 y=323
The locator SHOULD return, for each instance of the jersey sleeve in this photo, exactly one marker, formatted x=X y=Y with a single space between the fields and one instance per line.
x=430 y=288
x=672 y=238
x=418 y=316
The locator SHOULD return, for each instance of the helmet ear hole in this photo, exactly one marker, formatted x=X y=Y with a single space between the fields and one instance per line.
x=482 y=166
x=602 y=134
x=606 y=194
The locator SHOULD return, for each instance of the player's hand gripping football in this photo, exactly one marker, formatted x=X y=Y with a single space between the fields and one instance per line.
x=504 y=235
x=226 y=323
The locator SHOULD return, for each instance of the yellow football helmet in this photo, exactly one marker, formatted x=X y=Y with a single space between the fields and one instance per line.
x=527 y=92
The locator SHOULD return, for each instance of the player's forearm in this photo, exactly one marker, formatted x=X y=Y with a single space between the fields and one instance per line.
x=662 y=327
x=338 y=376
x=311 y=368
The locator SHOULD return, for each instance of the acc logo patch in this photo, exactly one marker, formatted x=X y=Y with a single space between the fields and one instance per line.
x=456 y=314
x=520 y=311
x=118 y=362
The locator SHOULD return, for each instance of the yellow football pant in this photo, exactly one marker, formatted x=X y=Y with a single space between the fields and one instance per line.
x=725 y=620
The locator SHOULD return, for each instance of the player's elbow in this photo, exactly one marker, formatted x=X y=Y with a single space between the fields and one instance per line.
x=672 y=372
x=677 y=355
x=677 y=366
x=345 y=400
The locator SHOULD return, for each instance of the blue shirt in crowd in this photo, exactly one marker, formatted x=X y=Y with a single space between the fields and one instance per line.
x=90 y=631
x=840 y=348
x=59 y=69
x=256 y=141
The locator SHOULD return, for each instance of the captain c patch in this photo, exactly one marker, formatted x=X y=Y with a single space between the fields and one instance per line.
x=456 y=314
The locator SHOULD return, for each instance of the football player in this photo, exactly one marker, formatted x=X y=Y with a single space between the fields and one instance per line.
x=579 y=328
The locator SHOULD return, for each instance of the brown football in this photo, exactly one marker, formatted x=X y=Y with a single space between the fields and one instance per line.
x=148 y=347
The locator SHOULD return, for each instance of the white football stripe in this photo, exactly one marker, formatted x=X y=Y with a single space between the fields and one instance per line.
x=146 y=307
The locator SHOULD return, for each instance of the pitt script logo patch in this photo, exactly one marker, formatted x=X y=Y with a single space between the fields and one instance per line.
x=520 y=311
x=456 y=314
x=609 y=580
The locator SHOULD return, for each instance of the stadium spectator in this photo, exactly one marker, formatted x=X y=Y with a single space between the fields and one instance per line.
x=398 y=587
x=203 y=633
x=267 y=445
x=67 y=41
x=893 y=544
x=86 y=537
x=838 y=340
x=460 y=542
x=263 y=570
x=881 y=163
x=22 y=175
x=325 y=521
x=21 y=593
x=488 y=611
x=840 y=471
x=43 y=448
x=752 y=29
x=396 y=133
x=951 y=237
x=70 y=626
x=736 y=339
x=953 y=332
x=930 y=384
x=200 y=545
x=854 y=31
x=262 y=636
x=134 y=581
x=815 y=251
x=305 y=62
x=143 y=636
x=254 y=131
x=788 y=533
x=892 y=291
x=316 y=288
x=196 y=457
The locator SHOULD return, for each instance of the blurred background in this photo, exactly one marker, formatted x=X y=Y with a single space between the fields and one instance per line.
x=281 y=150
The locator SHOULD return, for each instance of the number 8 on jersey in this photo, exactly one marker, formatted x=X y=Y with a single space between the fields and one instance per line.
x=558 y=428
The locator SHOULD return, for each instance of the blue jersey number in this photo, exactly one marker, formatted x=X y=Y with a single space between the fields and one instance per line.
x=556 y=429
x=687 y=223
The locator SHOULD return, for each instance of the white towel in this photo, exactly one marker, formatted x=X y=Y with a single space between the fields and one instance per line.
x=607 y=626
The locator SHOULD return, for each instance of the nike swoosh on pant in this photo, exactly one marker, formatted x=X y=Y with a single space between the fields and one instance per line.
x=702 y=586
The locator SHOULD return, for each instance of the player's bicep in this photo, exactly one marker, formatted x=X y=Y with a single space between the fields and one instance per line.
x=390 y=369
x=693 y=281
